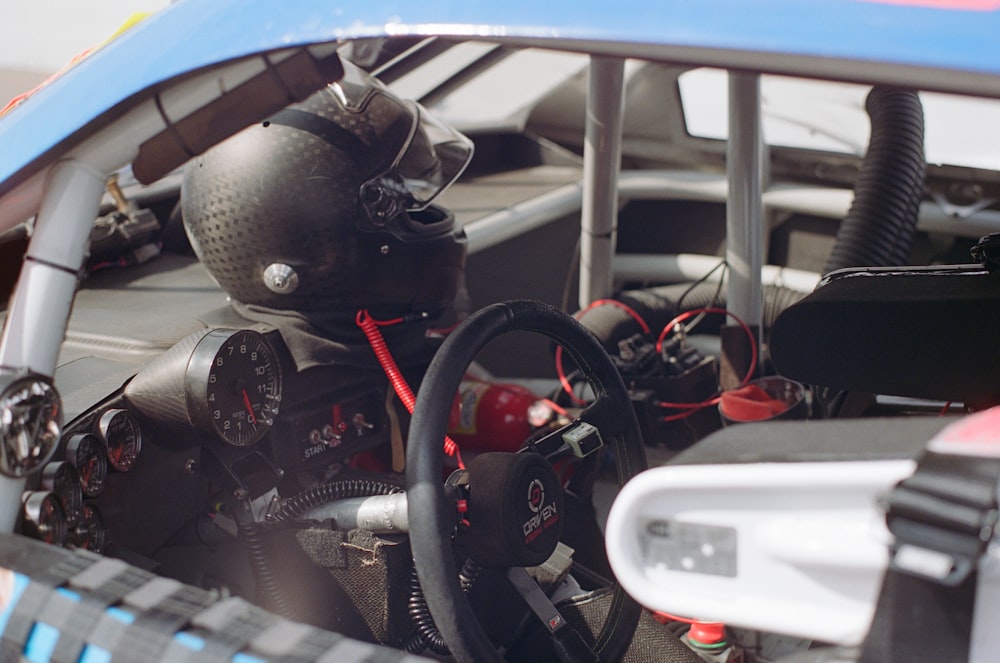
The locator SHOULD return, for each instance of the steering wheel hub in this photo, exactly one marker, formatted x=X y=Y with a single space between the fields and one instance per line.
x=515 y=509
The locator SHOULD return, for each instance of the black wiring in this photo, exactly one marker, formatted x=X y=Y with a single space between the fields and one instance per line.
x=702 y=279
x=715 y=297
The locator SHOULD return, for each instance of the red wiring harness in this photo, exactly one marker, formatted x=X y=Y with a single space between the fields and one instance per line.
x=370 y=326
x=563 y=380
x=689 y=408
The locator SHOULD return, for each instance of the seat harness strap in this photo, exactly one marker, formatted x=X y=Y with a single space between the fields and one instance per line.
x=943 y=518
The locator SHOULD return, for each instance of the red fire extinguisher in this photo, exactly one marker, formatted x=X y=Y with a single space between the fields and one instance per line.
x=491 y=416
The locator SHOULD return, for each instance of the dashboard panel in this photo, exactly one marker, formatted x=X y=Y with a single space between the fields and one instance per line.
x=222 y=413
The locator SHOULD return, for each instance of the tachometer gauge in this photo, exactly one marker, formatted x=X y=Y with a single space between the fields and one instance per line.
x=122 y=438
x=86 y=453
x=233 y=385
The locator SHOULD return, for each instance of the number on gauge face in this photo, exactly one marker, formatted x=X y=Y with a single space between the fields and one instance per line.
x=244 y=388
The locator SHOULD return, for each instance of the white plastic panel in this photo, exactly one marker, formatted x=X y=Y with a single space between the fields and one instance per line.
x=793 y=548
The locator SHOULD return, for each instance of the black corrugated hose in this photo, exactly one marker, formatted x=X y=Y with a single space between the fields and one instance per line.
x=879 y=227
x=316 y=496
x=250 y=530
x=427 y=635
x=268 y=585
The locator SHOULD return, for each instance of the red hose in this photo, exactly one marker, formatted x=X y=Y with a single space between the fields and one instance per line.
x=370 y=326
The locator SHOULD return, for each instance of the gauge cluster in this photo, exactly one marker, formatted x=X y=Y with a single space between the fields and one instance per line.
x=221 y=411
x=63 y=509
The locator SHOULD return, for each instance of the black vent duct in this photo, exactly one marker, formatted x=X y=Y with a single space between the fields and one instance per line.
x=879 y=227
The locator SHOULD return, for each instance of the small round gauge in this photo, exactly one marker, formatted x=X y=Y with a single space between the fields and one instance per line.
x=90 y=533
x=62 y=479
x=234 y=385
x=86 y=453
x=122 y=438
x=43 y=517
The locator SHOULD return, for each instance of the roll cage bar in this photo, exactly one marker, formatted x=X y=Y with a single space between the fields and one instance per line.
x=61 y=181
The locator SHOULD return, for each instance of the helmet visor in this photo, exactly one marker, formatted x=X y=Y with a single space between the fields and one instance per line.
x=431 y=158
x=431 y=155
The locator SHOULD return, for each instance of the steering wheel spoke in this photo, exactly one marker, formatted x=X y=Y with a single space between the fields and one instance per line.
x=577 y=439
x=569 y=645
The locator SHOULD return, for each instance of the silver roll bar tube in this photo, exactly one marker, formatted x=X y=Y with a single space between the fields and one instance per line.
x=744 y=209
x=39 y=310
x=601 y=163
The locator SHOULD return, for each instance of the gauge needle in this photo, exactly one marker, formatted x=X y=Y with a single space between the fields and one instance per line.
x=246 y=401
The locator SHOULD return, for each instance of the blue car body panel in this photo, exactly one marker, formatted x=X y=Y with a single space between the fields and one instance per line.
x=192 y=35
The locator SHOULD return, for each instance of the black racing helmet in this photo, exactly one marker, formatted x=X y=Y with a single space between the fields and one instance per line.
x=326 y=205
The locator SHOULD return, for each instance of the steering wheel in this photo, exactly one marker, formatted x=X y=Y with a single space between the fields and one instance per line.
x=433 y=519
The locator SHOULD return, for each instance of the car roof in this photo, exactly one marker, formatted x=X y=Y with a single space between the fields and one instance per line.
x=933 y=44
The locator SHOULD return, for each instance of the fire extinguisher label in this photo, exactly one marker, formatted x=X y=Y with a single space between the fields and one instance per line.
x=469 y=396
